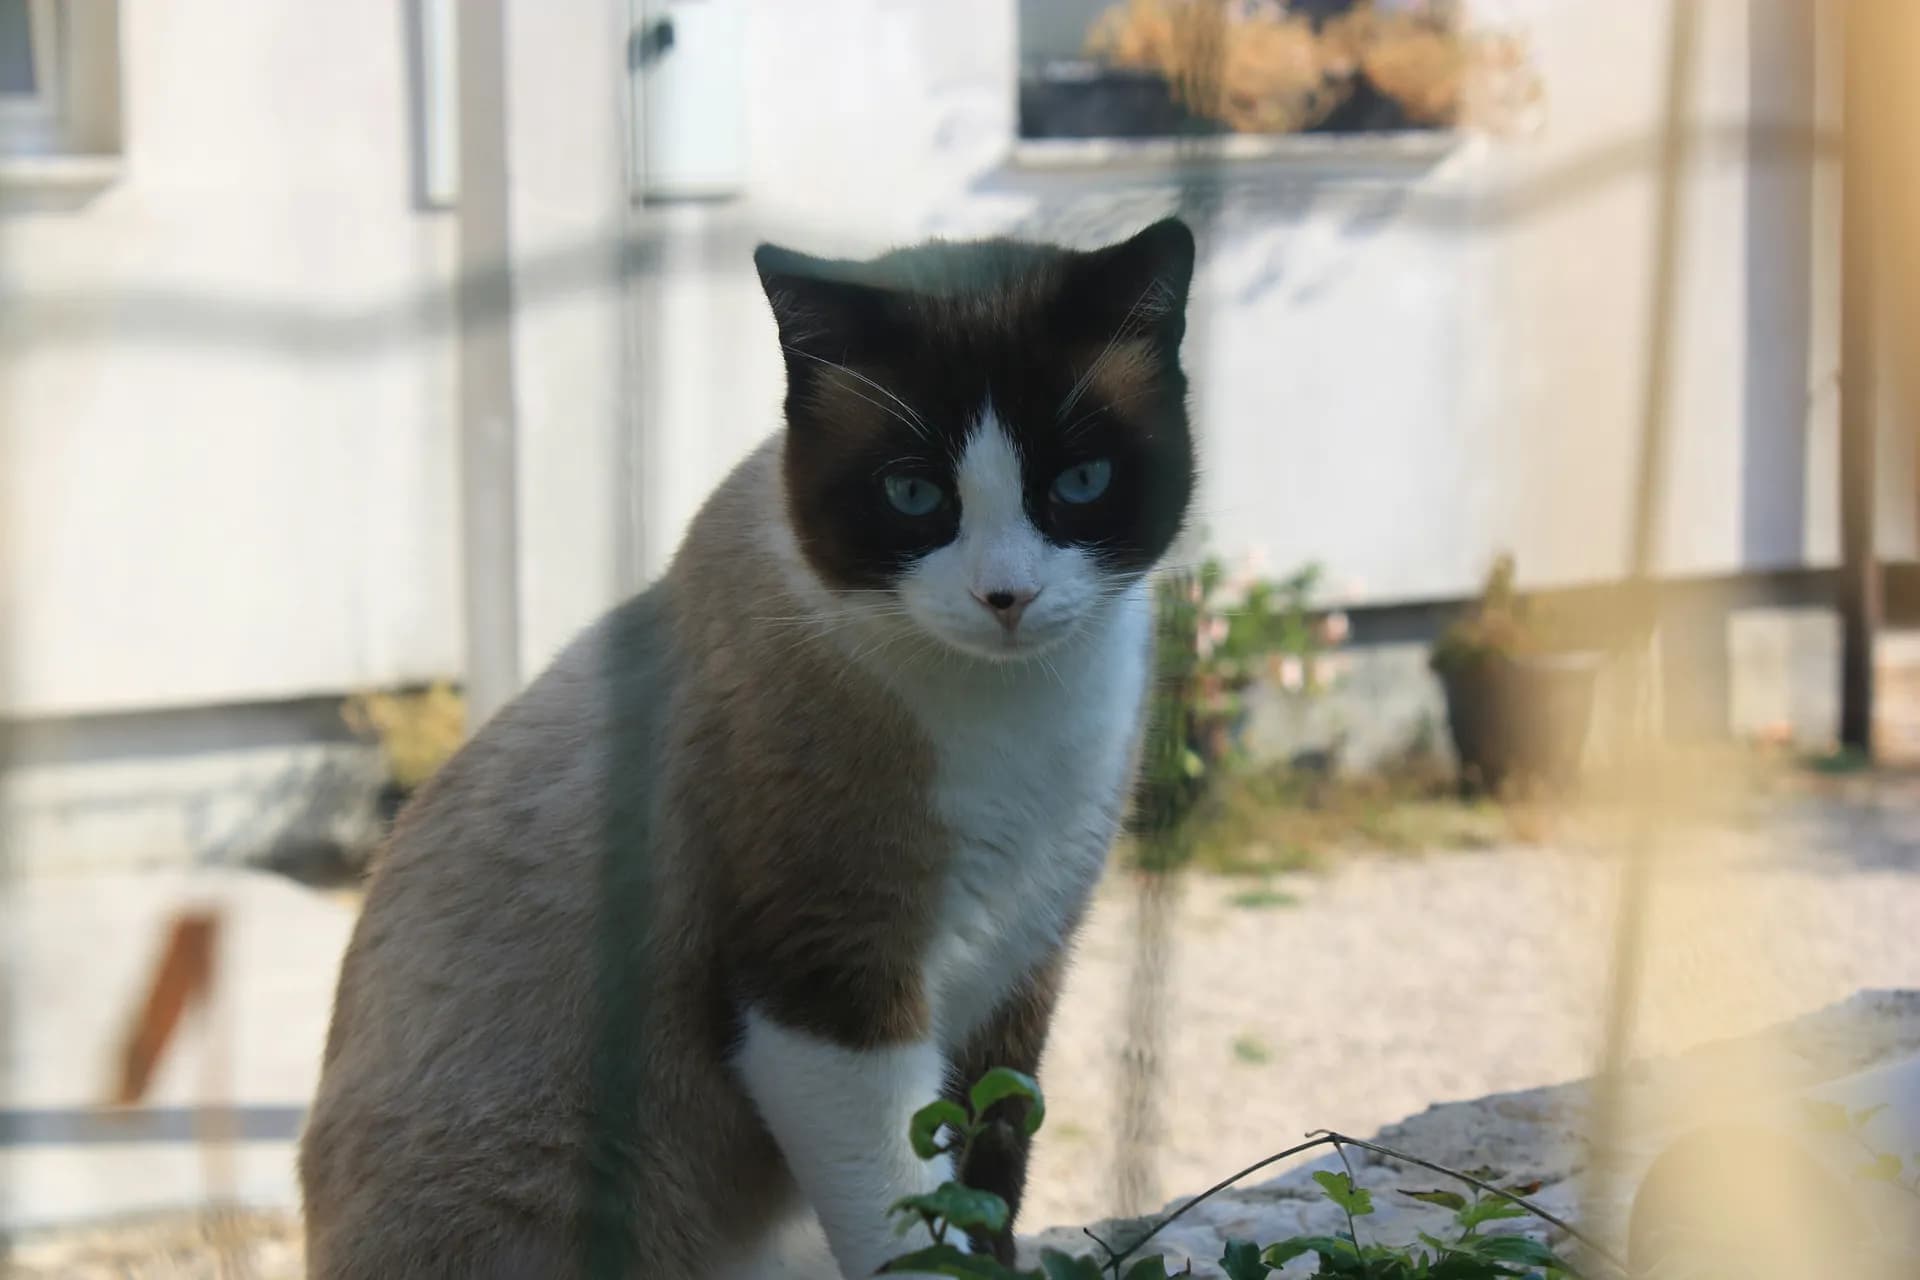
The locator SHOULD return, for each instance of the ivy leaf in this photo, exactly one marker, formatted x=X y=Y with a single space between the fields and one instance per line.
x=945 y=1260
x=1242 y=1261
x=1826 y=1117
x=1154 y=1268
x=1002 y=1083
x=1445 y=1199
x=1357 y=1201
x=1884 y=1167
x=924 y=1129
x=1487 y=1209
x=1059 y=1266
x=959 y=1206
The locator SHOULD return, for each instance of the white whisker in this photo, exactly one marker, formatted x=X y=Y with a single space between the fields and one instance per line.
x=1126 y=322
x=905 y=413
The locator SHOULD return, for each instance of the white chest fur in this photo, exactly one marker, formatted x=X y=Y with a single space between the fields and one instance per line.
x=1031 y=782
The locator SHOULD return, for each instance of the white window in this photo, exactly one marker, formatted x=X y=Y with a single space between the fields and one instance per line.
x=59 y=79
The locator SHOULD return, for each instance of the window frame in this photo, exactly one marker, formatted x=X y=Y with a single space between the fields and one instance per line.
x=32 y=124
x=67 y=133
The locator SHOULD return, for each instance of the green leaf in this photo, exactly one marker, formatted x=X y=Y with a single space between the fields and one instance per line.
x=1445 y=1199
x=1859 y=1118
x=1002 y=1083
x=1059 y=1266
x=946 y=1260
x=1884 y=1167
x=1521 y=1249
x=1279 y=1255
x=1242 y=1261
x=1330 y=1249
x=1357 y=1201
x=927 y=1123
x=1464 y=1266
x=958 y=1206
x=1154 y=1268
x=1826 y=1117
x=1487 y=1209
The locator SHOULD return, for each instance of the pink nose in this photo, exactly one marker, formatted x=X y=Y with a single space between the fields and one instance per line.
x=1006 y=605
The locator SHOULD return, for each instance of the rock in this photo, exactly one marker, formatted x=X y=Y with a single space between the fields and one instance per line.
x=1539 y=1136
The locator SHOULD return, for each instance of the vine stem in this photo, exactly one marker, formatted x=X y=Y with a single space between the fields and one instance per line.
x=1599 y=1249
x=1114 y=1260
x=1338 y=1141
x=1353 y=1185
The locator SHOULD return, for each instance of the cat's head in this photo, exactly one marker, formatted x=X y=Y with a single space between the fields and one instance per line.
x=986 y=442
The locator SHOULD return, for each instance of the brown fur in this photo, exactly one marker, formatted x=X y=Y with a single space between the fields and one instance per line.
x=526 y=1073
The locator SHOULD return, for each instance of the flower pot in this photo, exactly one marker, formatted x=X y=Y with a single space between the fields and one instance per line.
x=1087 y=100
x=1519 y=719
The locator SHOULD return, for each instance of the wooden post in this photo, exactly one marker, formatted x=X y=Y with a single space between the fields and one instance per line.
x=1860 y=589
x=489 y=524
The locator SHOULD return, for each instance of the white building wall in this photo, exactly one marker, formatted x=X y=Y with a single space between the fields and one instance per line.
x=227 y=384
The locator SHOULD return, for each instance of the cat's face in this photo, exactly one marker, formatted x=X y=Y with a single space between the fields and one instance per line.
x=986 y=443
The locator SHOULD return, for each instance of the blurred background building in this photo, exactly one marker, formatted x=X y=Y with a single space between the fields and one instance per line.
x=235 y=487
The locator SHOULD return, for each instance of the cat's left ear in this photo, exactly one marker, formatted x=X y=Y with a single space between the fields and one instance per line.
x=1138 y=286
x=821 y=307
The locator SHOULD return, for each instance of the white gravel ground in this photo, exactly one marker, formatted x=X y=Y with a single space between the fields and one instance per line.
x=1395 y=983
x=1385 y=985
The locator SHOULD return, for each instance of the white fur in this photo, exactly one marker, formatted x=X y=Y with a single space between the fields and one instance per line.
x=1033 y=732
x=1033 y=755
x=998 y=549
x=840 y=1116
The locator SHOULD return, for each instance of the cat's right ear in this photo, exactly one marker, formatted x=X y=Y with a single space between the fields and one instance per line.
x=823 y=313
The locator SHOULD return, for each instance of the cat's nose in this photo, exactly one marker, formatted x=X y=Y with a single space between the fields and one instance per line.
x=1006 y=605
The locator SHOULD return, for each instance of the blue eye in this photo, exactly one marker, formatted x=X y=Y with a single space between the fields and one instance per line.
x=1083 y=482
x=914 y=495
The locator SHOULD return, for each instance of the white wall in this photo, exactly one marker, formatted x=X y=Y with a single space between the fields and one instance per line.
x=1401 y=369
x=228 y=407
x=226 y=402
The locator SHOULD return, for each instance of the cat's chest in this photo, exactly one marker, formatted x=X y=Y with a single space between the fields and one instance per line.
x=1030 y=785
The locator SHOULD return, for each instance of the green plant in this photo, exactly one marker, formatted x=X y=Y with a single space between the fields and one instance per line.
x=1494 y=627
x=1221 y=633
x=950 y=1128
x=1501 y=624
x=1469 y=1255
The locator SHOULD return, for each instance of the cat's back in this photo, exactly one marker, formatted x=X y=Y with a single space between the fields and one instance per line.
x=463 y=1035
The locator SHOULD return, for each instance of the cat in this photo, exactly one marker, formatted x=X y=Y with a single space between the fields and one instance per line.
x=796 y=840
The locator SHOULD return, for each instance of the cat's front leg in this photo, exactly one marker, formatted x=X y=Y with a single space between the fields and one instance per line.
x=1013 y=1037
x=840 y=1113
